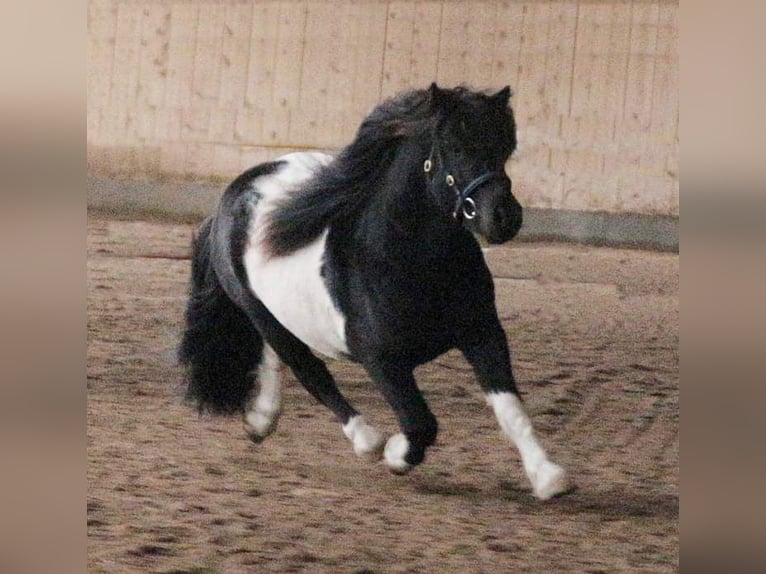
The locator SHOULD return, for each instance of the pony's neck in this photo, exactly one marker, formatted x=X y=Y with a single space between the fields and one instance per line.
x=401 y=220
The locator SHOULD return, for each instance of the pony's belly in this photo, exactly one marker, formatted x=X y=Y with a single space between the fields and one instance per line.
x=293 y=290
x=292 y=287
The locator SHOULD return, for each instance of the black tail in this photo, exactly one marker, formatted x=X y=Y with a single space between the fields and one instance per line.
x=220 y=347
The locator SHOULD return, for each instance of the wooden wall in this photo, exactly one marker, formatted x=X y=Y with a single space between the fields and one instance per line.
x=207 y=88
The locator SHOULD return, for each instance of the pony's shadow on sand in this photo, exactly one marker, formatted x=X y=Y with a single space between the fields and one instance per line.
x=613 y=504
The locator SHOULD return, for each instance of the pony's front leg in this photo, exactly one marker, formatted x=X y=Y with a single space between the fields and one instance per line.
x=407 y=449
x=491 y=361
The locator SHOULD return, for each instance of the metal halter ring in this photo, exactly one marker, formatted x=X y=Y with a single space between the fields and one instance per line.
x=469 y=208
x=450 y=180
x=427 y=165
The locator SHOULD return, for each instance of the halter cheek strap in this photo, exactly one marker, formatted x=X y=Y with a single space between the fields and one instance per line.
x=464 y=205
x=464 y=197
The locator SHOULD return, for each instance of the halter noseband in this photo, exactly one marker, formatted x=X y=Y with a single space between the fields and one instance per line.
x=464 y=204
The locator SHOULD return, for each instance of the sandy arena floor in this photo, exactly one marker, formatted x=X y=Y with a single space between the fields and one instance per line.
x=594 y=335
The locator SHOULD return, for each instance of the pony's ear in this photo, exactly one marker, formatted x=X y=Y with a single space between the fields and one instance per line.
x=503 y=96
x=437 y=98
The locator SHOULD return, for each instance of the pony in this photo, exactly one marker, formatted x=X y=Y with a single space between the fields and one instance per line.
x=369 y=256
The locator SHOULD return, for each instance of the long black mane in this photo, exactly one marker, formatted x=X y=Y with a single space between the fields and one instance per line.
x=341 y=189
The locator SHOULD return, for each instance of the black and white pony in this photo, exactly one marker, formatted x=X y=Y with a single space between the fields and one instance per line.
x=368 y=256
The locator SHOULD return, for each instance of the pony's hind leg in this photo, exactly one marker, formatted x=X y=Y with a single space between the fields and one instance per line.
x=262 y=414
x=367 y=440
x=312 y=373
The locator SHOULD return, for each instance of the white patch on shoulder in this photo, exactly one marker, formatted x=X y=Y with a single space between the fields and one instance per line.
x=548 y=479
x=292 y=287
x=368 y=441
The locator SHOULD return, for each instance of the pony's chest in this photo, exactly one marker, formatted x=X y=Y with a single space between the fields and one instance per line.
x=295 y=292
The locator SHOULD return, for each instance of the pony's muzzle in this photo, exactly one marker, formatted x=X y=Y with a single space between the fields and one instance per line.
x=503 y=215
x=509 y=219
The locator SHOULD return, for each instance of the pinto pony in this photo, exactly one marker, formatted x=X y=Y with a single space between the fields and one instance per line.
x=368 y=256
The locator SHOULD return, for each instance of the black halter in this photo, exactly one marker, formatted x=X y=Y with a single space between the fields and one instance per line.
x=464 y=207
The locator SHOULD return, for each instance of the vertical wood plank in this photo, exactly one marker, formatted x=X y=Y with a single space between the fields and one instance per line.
x=237 y=27
x=304 y=126
x=480 y=26
x=124 y=91
x=664 y=120
x=675 y=197
x=582 y=79
x=344 y=98
x=424 y=56
x=452 y=54
x=640 y=73
x=195 y=124
x=467 y=43
x=533 y=56
x=560 y=62
x=396 y=61
x=167 y=124
x=222 y=122
x=617 y=64
x=599 y=54
x=289 y=56
x=155 y=35
x=207 y=58
x=315 y=66
x=665 y=108
x=248 y=126
x=140 y=122
x=510 y=21
x=342 y=43
x=102 y=22
x=306 y=115
x=368 y=67
x=183 y=32
x=263 y=54
x=275 y=127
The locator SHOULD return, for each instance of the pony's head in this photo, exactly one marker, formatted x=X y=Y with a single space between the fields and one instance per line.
x=474 y=135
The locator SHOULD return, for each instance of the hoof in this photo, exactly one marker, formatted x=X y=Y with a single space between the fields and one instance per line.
x=394 y=453
x=259 y=425
x=368 y=442
x=370 y=446
x=550 y=480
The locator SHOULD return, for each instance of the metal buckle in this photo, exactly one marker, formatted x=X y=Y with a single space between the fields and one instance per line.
x=469 y=208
